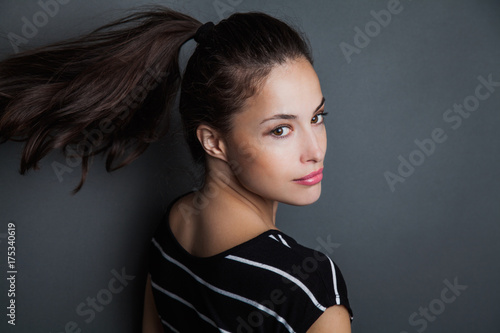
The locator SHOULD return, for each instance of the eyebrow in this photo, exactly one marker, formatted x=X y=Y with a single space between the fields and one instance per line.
x=291 y=116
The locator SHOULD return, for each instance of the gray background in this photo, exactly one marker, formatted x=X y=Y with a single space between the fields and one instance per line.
x=395 y=248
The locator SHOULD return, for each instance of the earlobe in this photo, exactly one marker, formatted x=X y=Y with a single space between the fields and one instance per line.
x=213 y=144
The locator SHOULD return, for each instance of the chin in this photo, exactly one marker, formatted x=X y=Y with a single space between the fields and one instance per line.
x=304 y=197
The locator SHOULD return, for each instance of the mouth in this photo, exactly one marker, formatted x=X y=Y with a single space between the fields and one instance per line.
x=311 y=179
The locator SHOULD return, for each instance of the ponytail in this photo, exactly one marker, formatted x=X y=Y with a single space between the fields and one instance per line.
x=108 y=92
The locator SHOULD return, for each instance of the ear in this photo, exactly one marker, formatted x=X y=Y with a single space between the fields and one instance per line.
x=212 y=142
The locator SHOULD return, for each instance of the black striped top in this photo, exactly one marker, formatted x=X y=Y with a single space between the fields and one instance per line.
x=269 y=283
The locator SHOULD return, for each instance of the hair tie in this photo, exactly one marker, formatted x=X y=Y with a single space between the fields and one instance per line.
x=203 y=31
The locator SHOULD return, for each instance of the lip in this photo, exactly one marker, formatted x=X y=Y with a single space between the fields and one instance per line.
x=311 y=179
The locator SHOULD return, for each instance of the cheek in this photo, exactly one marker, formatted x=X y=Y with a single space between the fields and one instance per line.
x=243 y=154
x=258 y=165
x=263 y=163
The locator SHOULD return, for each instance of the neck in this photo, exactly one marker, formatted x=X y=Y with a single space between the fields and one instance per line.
x=223 y=185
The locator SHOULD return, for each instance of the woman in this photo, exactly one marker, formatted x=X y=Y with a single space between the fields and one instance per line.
x=253 y=116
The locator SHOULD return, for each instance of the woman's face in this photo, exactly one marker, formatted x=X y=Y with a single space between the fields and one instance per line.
x=277 y=145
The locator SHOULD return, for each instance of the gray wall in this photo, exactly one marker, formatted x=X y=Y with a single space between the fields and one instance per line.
x=419 y=255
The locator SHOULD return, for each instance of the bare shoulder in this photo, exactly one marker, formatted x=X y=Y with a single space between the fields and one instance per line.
x=181 y=220
x=334 y=319
x=182 y=212
x=205 y=231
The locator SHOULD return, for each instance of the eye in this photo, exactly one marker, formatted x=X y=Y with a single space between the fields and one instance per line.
x=281 y=131
x=319 y=118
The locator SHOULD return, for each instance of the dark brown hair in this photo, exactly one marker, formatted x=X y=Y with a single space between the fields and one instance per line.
x=100 y=93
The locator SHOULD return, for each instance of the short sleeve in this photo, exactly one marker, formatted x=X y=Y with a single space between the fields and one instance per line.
x=295 y=284
x=317 y=284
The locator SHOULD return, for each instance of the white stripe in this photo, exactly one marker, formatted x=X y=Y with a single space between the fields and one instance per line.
x=337 y=296
x=169 y=326
x=183 y=301
x=272 y=236
x=284 y=241
x=282 y=273
x=224 y=292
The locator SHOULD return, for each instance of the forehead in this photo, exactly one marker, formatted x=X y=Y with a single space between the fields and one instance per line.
x=290 y=88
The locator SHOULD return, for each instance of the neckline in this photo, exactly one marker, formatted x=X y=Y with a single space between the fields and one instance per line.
x=222 y=254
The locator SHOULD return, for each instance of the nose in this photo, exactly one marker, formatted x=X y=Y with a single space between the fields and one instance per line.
x=313 y=147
